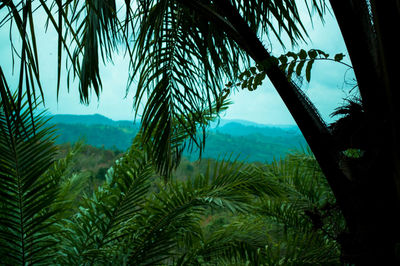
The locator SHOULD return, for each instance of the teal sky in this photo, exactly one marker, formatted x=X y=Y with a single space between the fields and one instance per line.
x=327 y=89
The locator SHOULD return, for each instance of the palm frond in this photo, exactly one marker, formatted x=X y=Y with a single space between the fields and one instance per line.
x=26 y=194
x=306 y=192
x=86 y=32
x=302 y=249
x=241 y=241
x=101 y=223
x=98 y=39
x=306 y=221
x=176 y=210
x=91 y=29
x=278 y=17
x=21 y=16
x=71 y=184
x=166 y=151
x=180 y=64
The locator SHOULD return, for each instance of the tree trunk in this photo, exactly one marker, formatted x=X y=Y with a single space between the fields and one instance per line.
x=370 y=40
x=365 y=190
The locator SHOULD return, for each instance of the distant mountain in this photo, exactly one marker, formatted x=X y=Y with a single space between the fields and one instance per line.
x=249 y=141
x=95 y=119
x=107 y=136
x=234 y=126
x=251 y=148
x=239 y=129
x=223 y=122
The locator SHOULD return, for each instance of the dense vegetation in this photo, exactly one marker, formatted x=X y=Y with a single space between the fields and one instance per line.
x=60 y=206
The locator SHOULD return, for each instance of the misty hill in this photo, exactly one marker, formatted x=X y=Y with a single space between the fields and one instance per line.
x=253 y=147
x=95 y=119
x=251 y=142
x=107 y=136
x=223 y=122
x=239 y=129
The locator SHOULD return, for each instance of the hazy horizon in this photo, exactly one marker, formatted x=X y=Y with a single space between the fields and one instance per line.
x=222 y=120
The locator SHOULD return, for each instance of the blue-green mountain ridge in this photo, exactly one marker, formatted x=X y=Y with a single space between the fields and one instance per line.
x=237 y=138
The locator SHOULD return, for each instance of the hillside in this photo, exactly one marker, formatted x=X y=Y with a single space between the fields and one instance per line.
x=95 y=119
x=249 y=142
x=252 y=147
x=240 y=129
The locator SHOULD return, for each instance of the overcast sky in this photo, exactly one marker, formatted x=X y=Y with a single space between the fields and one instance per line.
x=327 y=88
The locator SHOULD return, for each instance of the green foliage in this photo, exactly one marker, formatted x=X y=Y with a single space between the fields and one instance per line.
x=228 y=213
x=166 y=149
x=306 y=221
x=71 y=183
x=250 y=79
x=93 y=234
x=28 y=193
x=87 y=159
x=291 y=63
x=124 y=222
x=238 y=242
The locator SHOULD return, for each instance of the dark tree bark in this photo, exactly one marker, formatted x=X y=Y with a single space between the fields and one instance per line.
x=367 y=28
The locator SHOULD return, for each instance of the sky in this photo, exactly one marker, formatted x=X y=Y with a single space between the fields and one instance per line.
x=327 y=89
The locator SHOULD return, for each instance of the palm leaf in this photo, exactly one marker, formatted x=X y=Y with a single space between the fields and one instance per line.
x=103 y=220
x=184 y=135
x=306 y=221
x=71 y=184
x=26 y=194
x=99 y=37
x=302 y=249
x=241 y=241
x=174 y=213
x=179 y=82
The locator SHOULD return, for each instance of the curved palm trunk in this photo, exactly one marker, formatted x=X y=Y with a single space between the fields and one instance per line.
x=367 y=197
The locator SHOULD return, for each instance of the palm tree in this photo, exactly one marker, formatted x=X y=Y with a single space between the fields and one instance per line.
x=183 y=52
